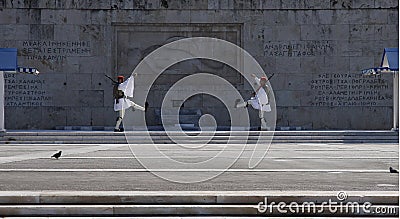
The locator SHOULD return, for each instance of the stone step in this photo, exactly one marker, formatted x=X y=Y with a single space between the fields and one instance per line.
x=194 y=142
x=189 y=203
x=217 y=133
x=198 y=138
x=168 y=141
x=220 y=137
x=190 y=210
x=191 y=197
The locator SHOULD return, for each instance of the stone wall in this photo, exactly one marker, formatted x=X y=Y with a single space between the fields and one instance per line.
x=315 y=48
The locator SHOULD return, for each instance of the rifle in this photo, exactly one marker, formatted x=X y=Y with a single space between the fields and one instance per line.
x=115 y=82
x=269 y=78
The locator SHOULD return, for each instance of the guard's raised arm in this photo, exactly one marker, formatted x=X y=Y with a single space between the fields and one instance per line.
x=256 y=79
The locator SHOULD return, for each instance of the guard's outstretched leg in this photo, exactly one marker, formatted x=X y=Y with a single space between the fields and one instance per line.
x=241 y=105
x=136 y=106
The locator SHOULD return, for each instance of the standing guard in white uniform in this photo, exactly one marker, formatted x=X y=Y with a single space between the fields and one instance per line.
x=122 y=90
x=260 y=100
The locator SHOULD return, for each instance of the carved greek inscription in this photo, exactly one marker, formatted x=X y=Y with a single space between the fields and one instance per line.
x=26 y=92
x=298 y=48
x=54 y=50
x=350 y=90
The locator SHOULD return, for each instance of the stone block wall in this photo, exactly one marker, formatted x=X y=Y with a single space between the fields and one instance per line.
x=315 y=48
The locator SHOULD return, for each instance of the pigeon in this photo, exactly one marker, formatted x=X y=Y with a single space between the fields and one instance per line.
x=57 y=155
x=392 y=170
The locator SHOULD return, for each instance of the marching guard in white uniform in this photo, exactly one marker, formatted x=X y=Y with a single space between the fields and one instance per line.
x=260 y=100
x=123 y=90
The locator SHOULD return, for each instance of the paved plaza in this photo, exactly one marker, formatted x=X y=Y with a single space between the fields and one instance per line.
x=286 y=167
